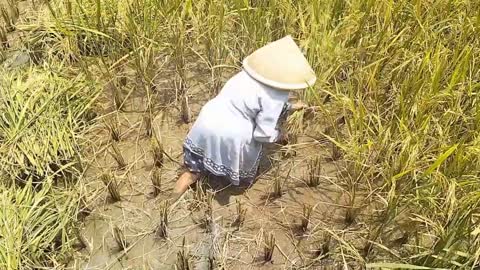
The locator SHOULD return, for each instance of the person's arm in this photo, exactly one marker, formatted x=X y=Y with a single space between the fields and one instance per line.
x=268 y=119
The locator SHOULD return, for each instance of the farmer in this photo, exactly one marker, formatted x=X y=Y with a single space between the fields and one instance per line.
x=227 y=138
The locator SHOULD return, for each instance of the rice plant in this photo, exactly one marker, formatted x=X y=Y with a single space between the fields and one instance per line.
x=117 y=156
x=269 y=247
x=183 y=258
x=147 y=120
x=241 y=213
x=110 y=182
x=161 y=230
x=397 y=98
x=4 y=45
x=306 y=215
x=120 y=238
x=7 y=19
x=157 y=151
x=314 y=168
x=156 y=181
x=277 y=187
x=113 y=129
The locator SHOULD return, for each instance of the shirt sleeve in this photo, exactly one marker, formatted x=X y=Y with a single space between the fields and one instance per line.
x=267 y=122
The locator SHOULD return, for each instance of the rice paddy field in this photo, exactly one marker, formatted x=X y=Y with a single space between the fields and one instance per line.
x=96 y=97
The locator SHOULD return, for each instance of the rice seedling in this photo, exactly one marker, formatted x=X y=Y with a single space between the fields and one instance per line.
x=161 y=231
x=314 y=168
x=117 y=156
x=120 y=238
x=156 y=181
x=306 y=215
x=269 y=247
x=110 y=182
x=183 y=258
x=157 y=151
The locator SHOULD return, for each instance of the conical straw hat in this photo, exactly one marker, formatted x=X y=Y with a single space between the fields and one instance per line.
x=280 y=65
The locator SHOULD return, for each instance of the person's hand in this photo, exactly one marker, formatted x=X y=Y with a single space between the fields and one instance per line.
x=298 y=106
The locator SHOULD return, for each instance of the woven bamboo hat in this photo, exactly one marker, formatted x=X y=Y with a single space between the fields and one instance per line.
x=280 y=65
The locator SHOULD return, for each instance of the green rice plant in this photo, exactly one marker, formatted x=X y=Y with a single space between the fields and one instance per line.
x=110 y=182
x=157 y=181
x=314 y=168
x=120 y=238
x=117 y=156
x=269 y=247
x=162 y=226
